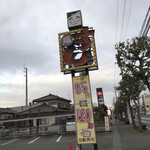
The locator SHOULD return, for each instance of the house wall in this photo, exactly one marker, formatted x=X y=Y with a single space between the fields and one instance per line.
x=44 y=121
x=6 y=116
x=64 y=105
x=57 y=104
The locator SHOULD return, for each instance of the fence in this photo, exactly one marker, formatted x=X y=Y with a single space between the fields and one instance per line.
x=145 y=119
x=42 y=130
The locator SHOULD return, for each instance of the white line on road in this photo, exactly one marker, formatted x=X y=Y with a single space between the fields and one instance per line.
x=34 y=140
x=9 y=142
x=58 y=139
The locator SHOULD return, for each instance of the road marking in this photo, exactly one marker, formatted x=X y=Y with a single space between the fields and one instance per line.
x=9 y=142
x=58 y=139
x=34 y=140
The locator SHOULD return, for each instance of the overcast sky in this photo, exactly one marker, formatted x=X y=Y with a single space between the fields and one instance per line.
x=29 y=38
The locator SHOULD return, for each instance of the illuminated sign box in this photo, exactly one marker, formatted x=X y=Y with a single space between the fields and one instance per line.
x=77 y=50
x=100 y=97
x=74 y=20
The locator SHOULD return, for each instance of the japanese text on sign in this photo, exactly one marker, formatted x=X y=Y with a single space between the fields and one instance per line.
x=83 y=110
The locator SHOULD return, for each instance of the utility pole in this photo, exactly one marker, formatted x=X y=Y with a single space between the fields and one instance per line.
x=26 y=91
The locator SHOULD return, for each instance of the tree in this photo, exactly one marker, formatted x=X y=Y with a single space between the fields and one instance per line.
x=101 y=113
x=130 y=89
x=124 y=92
x=121 y=107
x=133 y=57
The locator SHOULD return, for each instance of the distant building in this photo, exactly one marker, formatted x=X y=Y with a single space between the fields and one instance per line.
x=146 y=102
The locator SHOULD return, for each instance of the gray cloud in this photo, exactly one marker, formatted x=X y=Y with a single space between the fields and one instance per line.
x=29 y=35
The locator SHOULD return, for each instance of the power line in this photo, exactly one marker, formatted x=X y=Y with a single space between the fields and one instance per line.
x=129 y=17
x=146 y=24
x=116 y=22
x=122 y=19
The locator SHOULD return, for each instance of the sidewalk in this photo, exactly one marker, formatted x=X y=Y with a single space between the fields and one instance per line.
x=127 y=138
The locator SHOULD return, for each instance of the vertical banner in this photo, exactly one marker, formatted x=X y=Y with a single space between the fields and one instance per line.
x=107 y=128
x=85 y=127
x=100 y=97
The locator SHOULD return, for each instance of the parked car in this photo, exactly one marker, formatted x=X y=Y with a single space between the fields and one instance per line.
x=3 y=131
x=71 y=125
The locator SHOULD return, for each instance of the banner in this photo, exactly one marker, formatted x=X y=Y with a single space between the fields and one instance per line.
x=107 y=128
x=85 y=127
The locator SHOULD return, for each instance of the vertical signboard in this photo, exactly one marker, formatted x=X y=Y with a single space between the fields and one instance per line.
x=100 y=97
x=83 y=110
x=107 y=128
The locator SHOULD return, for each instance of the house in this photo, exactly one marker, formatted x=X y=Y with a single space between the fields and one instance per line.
x=7 y=113
x=44 y=111
x=42 y=115
x=38 y=116
x=54 y=100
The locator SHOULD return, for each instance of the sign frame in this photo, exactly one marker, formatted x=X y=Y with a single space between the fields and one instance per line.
x=68 y=69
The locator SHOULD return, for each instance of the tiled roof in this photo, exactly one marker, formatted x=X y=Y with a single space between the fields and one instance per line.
x=50 y=97
x=43 y=108
x=7 y=110
x=19 y=109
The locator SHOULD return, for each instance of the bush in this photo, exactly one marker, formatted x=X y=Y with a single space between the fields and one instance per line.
x=101 y=114
x=144 y=127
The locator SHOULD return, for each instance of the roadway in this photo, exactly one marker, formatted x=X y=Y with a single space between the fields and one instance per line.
x=122 y=137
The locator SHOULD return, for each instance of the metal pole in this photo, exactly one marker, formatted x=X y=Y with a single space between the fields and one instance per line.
x=95 y=147
x=26 y=74
x=30 y=121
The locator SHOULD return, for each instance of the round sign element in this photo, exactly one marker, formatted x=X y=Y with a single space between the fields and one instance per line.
x=67 y=40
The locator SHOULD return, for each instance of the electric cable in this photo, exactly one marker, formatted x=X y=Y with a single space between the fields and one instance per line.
x=143 y=31
x=128 y=18
x=122 y=19
x=116 y=22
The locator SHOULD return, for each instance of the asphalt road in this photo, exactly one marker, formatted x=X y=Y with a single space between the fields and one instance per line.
x=54 y=142
x=122 y=137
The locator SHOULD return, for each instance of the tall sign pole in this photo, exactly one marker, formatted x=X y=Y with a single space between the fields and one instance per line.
x=77 y=57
